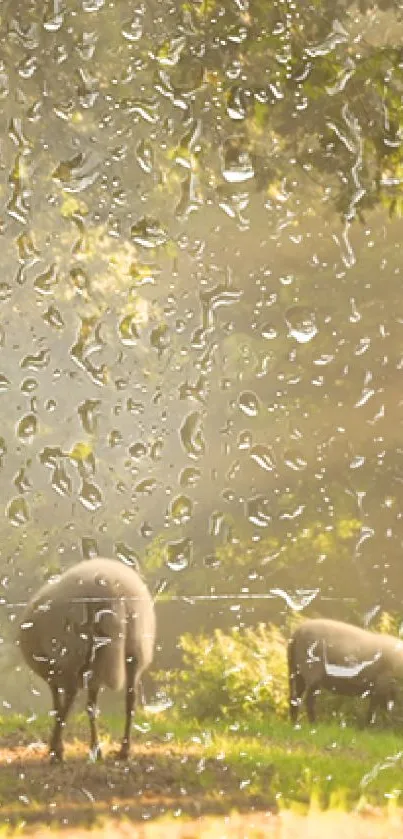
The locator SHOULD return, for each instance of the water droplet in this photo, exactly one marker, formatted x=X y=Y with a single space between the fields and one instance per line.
x=236 y=103
x=258 y=511
x=53 y=18
x=27 y=428
x=128 y=331
x=301 y=324
x=45 y=282
x=61 y=481
x=294 y=460
x=148 y=233
x=29 y=385
x=189 y=476
x=89 y=547
x=248 y=403
x=22 y=482
x=244 y=440
x=49 y=456
x=4 y=81
x=37 y=361
x=160 y=338
x=88 y=416
x=237 y=165
x=211 y=561
x=145 y=156
x=132 y=29
x=135 y=408
x=77 y=173
x=146 y=486
x=191 y=435
x=5 y=292
x=216 y=523
x=269 y=332
x=18 y=511
x=138 y=450
x=214 y=298
x=179 y=554
x=53 y=318
x=264 y=457
x=115 y=438
x=92 y=5
x=4 y=383
x=180 y=509
x=357 y=462
x=90 y=496
x=156 y=450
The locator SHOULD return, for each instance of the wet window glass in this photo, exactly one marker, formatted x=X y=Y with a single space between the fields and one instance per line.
x=201 y=450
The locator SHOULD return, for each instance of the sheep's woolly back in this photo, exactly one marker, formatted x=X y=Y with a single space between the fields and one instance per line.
x=88 y=620
x=343 y=641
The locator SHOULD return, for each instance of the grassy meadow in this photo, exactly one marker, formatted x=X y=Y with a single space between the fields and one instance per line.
x=181 y=769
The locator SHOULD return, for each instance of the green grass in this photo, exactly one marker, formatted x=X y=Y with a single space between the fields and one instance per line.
x=264 y=762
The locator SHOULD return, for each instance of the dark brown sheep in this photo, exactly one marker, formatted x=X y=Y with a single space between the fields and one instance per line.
x=345 y=659
x=92 y=626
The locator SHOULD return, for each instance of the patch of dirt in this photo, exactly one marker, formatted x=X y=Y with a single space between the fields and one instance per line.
x=158 y=780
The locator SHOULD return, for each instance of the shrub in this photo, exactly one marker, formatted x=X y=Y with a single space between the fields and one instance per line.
x=243 y=671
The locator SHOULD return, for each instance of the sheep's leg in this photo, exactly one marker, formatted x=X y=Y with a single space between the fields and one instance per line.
x=61 y=709
x=373 y=704
x=92 y=711
x=296 y=692
x=310 y=704
x=132 y=679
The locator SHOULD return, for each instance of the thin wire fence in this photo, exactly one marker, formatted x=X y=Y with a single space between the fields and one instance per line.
x=295 y=603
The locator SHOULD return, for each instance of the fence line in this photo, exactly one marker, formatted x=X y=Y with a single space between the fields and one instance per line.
x=273 y=594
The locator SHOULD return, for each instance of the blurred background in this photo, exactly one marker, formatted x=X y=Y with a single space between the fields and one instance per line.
x=201 y=307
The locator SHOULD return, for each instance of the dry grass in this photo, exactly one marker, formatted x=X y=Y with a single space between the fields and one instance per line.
x=285 y=825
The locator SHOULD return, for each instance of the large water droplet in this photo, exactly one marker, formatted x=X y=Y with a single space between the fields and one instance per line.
x=180 y=509
x=78 y=173
x=18 y=511
x=257 y=511
x=36 y=361
x=160 y=338
x=128 y=331
x=237 y=165
x=264 y=457
x=216 y=523
x=61 y=481
x=138 y=450
x=145 y=156
x=236 y=104
x=87 y=412
x=294 y=460
x=132 y=29
x=301 y=324
x=146 y=486
x=148 y=233
x=45 y=283
x=214 y=298
x=189 y=476
x=28 y=385
x=4 y=383
x=179 y=554
x=191 y=435
x=248 y=403
x=244 y=440
x=27 y=428
x=90 y=496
